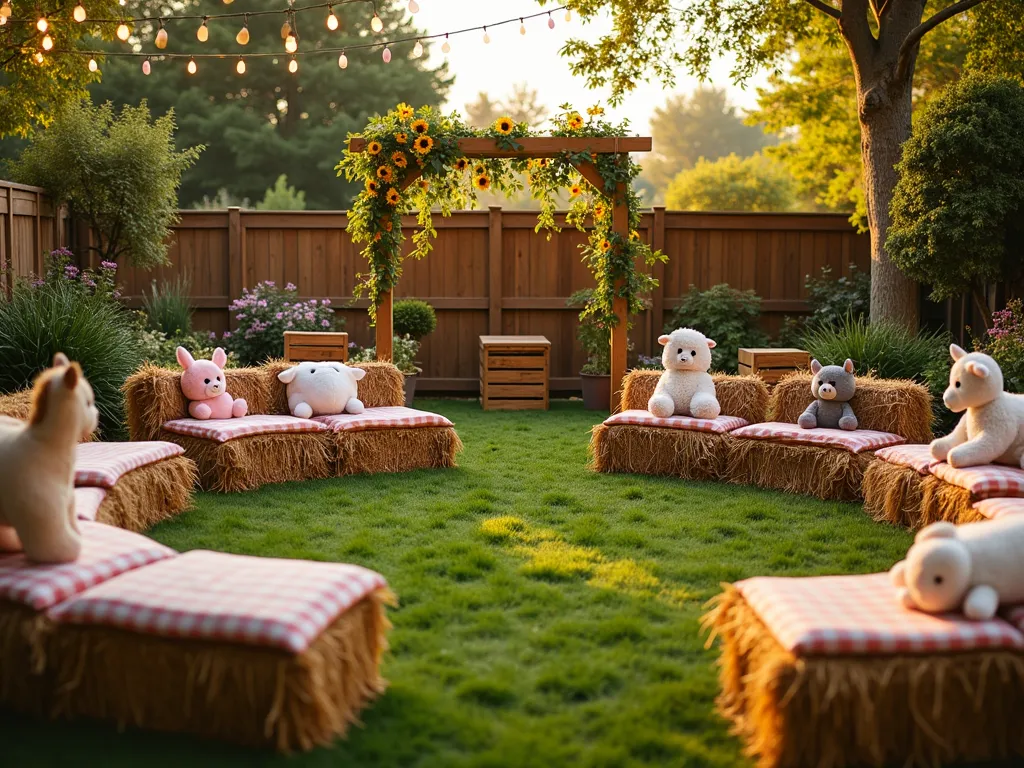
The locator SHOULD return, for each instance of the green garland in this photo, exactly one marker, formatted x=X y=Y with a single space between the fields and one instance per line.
x=407 y=139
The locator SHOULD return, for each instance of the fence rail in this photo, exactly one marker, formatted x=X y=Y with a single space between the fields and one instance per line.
x=30 y=226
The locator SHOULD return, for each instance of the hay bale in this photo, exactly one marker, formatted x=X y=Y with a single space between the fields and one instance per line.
x=17 y=405
x=742 y=396
x=383 y=385
x=657 y=451
x=26 y=684
x=912 y=709
x=944 y=501
x=148 y=495
x=899 y=406
x=245 y=694
x=893 y=493
x=828 y=473
x=396 y=450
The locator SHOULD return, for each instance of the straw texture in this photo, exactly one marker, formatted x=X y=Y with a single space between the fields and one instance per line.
x=917 y=710
x=25 y=684
x=893 y=493
x=686 y=454
x=743 y=396
x=17 y=405
x=148 y=495
x=828 y=473
x=944 y=501
x=396 y=450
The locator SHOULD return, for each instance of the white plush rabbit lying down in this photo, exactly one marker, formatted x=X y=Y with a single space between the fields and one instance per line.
x=322 y=389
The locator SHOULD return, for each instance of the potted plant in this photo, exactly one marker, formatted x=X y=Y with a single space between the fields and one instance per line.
x=413 y=320
x=403 y=354
x=595 y=375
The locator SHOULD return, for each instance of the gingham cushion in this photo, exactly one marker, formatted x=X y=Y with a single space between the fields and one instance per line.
x=647 y=419
x=984 y=482
x=914 y=455
x=853 y=441
x=222 y=430
x=87 y=502
x=101 y=465
x=106 y=553
x=390 y=417
x=283 y=604
x=995 y=508
x=846 y=615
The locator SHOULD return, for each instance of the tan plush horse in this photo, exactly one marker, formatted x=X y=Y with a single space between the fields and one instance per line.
x=37 y=466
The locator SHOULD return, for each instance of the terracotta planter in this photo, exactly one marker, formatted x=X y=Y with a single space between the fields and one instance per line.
x=597 y=391
x=410 y=388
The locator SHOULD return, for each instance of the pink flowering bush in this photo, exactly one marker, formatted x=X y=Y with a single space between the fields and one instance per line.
x=265 y=313
x=1004 y=341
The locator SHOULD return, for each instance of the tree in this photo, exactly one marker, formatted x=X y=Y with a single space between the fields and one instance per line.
x=268 y=122
x=755 y=183
x=882 y=40
x=958 y=208
x=522 y=105
x=282 y=197
x=119 y=172
x=688 y=128
x=31 y=91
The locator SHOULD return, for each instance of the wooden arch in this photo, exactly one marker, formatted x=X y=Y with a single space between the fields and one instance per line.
x=548 y=146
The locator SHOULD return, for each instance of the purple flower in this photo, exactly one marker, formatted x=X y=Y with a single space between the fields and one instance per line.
x=38 y=283
x=212 y=336
x=290 y=287
x=325 y=323
x=110 y=265
x=351 y=345
x=310 y=316
x=89 y=283
x=326 y=302
x=261 y=303
x=227 y=335
x=116 y=294
x=279 y=315
x=70 y=271
x=240 y=316
x=271 y=283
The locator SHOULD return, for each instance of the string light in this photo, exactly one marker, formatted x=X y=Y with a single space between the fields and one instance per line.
x=242 y=38
x=161 y=37
x=39 y=57
x=3 y=19
x=146 y=67
x=5 y=9
x=375 y=23
x=414 y=7
x=47 y=43
x=568 y=15
x=291 y=43
x=332 y=20
x=487 y=38
x=42 y=25
x=286 y=29
x=417 y=50
x=192 y=68
x=228 y=2
x=93 y=66
x=551 y=22
x=386 y=55
x=123 y=32
x=203 y=33
x=79 y=13
x=447 y=47
x=522 y=27
x=293 y=65
x=240 y=66
x=343 y=61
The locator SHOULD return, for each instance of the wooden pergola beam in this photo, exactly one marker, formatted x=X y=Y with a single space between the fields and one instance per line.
x=541 y=146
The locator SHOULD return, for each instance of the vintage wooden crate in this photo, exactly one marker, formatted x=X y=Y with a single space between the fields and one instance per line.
x=514 y=372
x=300 y=346
x=771 y=364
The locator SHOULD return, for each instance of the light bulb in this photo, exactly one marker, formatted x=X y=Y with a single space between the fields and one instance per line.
x=161 y=39
x=228 y=2
x=47 y=43
x=242 y=38
x=146 y=67
x=123 y=32
x=343 y=61
x=3 y=20
x=332 y=20
x=240 y=67
x=414 y=7
x=286 y=29
x=291 y=44
x=79 y=13
x=93 y=66
x=551 y=22
x=522 y=27
x=447 y=47
x=375 y=23
x=39 y=57
x=5 y=9
x=293 y=66
x=42 y=25
x=203 y=33
x=417 y=50
x=487 y=38
x=192 y=68
x=568 y=15
x=386 y=55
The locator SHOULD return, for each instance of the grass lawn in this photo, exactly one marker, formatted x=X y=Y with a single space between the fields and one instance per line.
x=549 y=615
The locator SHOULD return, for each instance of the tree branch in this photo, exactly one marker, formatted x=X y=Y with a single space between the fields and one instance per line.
x=825 y=8
x=926 y=26
x=853 y=23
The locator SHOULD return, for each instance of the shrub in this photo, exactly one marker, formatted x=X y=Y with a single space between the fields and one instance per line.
x=594 y=339
x=755 y=183
x=404 y=351
x=158 y=348
x=414 y=318
x=282 y=197
x=265 y=313
x=169 y=309
x=1004 y=341
x=831 y=301
x=727 y=315
x=76 y=312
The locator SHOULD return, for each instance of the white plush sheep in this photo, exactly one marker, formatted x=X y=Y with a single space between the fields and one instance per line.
x=322 y=389
x=686 y=387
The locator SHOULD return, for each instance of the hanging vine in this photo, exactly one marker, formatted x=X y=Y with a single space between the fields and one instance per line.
x=422 y=146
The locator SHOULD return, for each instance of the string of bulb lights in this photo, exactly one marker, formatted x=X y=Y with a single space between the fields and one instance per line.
x=289 y=33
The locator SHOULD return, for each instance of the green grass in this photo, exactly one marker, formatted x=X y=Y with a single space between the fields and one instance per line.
x=565 y=636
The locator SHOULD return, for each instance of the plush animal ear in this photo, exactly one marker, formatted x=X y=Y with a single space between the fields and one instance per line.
x=815 y=366
x=287 y=376
x=956 y=352
x=185 y=360
x=71 y=376
x=898 y=574
x=663 y=339
x=358 y=373
x=220 y=357
x=712 y=343
x=848 y=365
x=60 y=360
x=942 y=530
x=978 y=369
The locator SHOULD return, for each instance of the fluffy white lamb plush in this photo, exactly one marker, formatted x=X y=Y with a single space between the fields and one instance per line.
x=685 y=388
x=322 y=389
x=992 y=429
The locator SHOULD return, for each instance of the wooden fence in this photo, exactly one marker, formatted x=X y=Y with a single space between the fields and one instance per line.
x=30 y=226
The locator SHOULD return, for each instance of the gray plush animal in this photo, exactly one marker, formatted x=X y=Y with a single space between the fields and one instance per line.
x=833 y=387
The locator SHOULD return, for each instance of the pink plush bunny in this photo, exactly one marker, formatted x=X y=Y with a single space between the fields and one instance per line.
x=203 y=383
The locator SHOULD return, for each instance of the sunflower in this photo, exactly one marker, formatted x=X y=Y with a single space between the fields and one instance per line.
x=575 y=190
x=371 y=186
x=388 y=226
x=374 y=147
x=405 y=111
x=401 y=137
x=423 y=144
x=504 y=125
x=605 y=245
x=595 y=111
x=399 y=159
x=599 y=211
x=479 y=169
x=461 y=164
x=385 y=174
x=420 y=126
x=424 y=184
x=575 y=121
x=634 y=235
x=543 y=162
x=393 y=197
x=482 y=183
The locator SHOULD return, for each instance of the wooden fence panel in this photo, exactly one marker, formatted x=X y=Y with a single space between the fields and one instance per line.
x=30 y=227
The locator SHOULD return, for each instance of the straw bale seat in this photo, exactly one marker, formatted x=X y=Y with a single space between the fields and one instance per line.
x=693 y=449
x=829 y=464
x=271 y=446
x=833 y=671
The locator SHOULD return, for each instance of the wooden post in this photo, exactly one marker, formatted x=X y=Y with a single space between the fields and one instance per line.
x=236 y=260
x=494 y=265
x=620 y=333
x=385 y=327
x=658 y=295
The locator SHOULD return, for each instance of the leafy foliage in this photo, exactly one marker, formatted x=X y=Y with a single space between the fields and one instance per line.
x=958 y=208
x=594 y=339
x=1004 y=341
x=282 y=197
x=169 y=308
x=832 y=300
x=413 y=318
x=403 y=354
x=755 y=183
x=727 y=315
x=522 y=104
x=75 y=312
x=159 y=348
x=119 y=172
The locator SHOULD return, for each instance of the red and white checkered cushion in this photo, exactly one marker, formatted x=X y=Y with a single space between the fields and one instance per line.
x=853 y=441
x=222 y=430
x=106 y=552
x=87 y=502
x=388 y=417
x=283 y=604
x=845 y=615
x=913 y=455
x=647 y=419
x=984 y=482
x=995 y=508
x=101 y=465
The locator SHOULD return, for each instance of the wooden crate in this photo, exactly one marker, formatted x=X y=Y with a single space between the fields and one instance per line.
x=772 y=364
x=514 y=372
x=300 y=346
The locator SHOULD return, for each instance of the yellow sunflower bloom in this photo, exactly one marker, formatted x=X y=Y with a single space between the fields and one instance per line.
x=504 y=125
x=575 y=121
x=423 y=144
x=599 y=211
x=543 y=162
x=482 y=183
x=634 y=235
x=374 y=147
x=575 y=190
x=420 y=126
x=385 y=174
x=399 y=159
x=479 y=169
x=405 y=111
x=424 y=184
x=605 y=246
x=393 y=196
x=461 y=164
x=401 y=137
x=371 y=186
x=595 y=111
